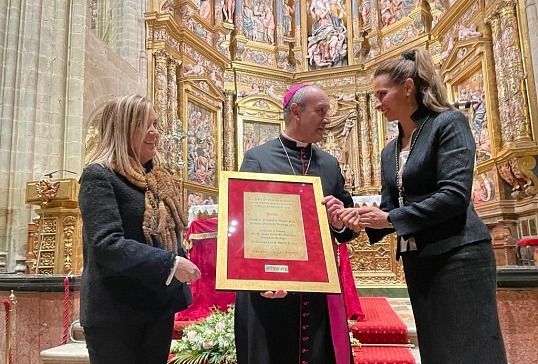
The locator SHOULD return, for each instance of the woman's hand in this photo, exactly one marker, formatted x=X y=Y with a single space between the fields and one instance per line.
x=279 y=293
x=373 y=217
x=187 y=271
x=351 y=218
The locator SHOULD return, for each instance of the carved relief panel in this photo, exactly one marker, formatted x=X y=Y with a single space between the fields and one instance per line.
x=200 y=107
x=375 y=264
x=259 y=119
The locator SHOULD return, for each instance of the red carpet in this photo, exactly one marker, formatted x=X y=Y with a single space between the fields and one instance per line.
x=382 y=325
x=383 y=355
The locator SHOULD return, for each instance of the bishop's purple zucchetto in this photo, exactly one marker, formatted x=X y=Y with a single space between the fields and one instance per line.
x=292 y=92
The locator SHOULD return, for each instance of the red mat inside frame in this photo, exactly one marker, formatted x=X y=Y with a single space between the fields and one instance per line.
x=382 y=324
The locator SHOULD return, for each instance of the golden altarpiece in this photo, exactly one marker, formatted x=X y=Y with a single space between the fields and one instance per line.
x=219 y=71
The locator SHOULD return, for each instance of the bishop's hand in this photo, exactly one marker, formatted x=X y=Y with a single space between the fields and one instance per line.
x=279 y=293
x=333 y=206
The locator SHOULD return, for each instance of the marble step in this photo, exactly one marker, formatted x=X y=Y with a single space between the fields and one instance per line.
x=72 y=353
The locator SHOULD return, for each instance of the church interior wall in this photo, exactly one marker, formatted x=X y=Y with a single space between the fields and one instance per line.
x=217 y=72
x=55 y=71
x=232 y=61
x=41 y=75
x=269 y=45
x=107 y=74
x=116 y=62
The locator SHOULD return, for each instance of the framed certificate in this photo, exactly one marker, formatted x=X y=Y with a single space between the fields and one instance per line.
x=273 y=233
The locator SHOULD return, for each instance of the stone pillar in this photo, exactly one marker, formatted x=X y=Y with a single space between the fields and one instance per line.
x=160 y=91
x=41 y=108
x=365 y=142
x=229 y=131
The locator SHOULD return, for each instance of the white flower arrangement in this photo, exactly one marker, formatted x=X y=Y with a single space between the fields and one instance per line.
x=210 y=341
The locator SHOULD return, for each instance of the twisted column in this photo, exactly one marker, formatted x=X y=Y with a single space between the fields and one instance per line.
x=515 y=80
x=375 y=157
x=171 y=104
x=365 y=141
x=511 y=88
x=499 y=70
x=229 y=131
x=160 y=91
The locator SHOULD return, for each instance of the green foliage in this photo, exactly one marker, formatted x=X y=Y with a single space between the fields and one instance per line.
x=354 y=341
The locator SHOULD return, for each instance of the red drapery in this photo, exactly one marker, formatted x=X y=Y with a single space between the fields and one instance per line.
x=202 y=234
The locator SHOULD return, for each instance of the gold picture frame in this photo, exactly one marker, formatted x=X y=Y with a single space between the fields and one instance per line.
x=269 y=236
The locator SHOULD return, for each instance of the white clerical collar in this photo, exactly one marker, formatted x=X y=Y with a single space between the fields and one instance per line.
x=299 y=144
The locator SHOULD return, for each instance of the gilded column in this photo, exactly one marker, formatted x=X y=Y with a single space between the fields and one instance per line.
x=238 y=16
x=160 y=94
x=229 y=132
x=279 y=22
x=518 y=112
x=356 y=22
x=353 y=148
x=374 y=16
x=297 y=30
x=365 y=142
x=171 y=104
x=69 y=224
x=507 y=134
x=375 y=157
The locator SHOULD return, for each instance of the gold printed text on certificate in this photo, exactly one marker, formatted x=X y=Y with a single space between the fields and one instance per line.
x=274 y=227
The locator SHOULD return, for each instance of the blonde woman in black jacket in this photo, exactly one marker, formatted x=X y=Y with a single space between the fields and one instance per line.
x=135 y=274
x=426 y=178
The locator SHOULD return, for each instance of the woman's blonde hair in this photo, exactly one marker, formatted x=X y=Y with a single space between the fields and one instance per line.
x=417 y=65
x=163 y=214
x=117 y=124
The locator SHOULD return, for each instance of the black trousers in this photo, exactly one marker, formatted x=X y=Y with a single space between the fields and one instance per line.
x=130 y=344
x=453 y=296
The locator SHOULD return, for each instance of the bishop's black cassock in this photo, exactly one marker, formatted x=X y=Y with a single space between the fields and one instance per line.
x=301 y=328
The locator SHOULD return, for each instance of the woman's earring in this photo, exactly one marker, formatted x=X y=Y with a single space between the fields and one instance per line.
x=407 y=94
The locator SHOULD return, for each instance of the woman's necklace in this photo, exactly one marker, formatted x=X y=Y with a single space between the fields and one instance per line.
x=289 y=160
x=401 y=191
